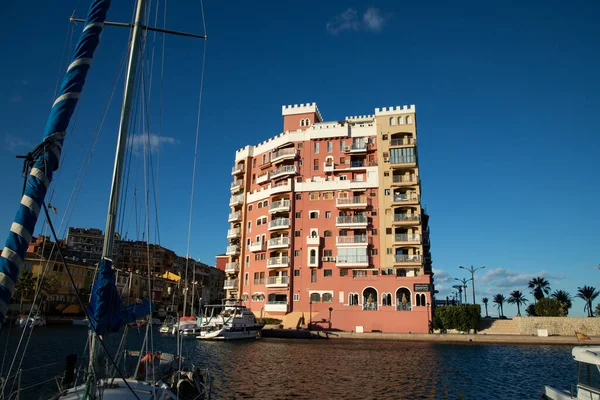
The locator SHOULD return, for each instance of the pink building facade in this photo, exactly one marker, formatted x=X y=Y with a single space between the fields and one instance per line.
x=326 y=225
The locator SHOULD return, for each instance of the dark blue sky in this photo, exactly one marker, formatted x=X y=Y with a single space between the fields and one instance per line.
x=507 y=95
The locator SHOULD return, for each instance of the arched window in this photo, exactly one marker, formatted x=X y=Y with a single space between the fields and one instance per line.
x=313 y=256
x=265 y=203
x=327 y=234
x=353 y=299
x=392 y=121
x=409 y=120
x=370 y=299
x=419 y=301
x=301 y=122
x=386 y=299
x=403 y=300
x=315 y=297
x=423 y=299
x=313 y=233
x=245 y=297
x=400 y=121
x=250 y=207
x=327 y=298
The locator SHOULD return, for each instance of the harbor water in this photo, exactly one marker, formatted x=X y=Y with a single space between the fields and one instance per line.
x=326 y=369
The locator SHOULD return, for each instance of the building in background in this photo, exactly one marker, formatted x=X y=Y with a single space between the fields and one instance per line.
x=327 y=225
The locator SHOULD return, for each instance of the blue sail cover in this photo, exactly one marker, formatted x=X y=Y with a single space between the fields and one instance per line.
x=105 y=310
x=11 y=258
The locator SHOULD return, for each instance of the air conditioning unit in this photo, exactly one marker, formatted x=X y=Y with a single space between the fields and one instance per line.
x=332 y=258
x=386 y=159
x=324 y=258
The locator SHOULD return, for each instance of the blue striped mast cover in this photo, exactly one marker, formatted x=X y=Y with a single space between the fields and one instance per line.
x=13 y=254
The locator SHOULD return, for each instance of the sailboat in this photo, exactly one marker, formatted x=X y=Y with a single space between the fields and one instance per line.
x=173 y=377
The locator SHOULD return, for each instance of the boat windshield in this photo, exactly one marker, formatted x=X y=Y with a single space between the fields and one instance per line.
x=589 y=375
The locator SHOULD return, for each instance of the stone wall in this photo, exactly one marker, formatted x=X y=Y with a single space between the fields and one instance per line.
x=563 y=326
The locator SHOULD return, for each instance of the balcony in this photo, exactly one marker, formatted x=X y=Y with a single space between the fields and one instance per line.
x=404 y=219
x=357 y=147
x=348 y=221
x=405 y=141
x=353 y=240
x=279 y=206
x=230 y=284
x=278 y=243
x=236 y=185
x=232 y=250
x=281 y=187
x=313 y=240
x=405 y=198
x=352 y=202
x=262 y=178
x=328 y=166
x=403 y=162
x=238 y=169
x=353 y=261
x=234 y=233
x=405 y=238
x=278 y=262
x=237 y=200
x=283 y=171
x=279 y=223
x=276 y=306
x=232 y=268
x=408 y=259
x=256 y=246
x=278 y=281
x=284 y=154
x=235 y=216
x=404 y=180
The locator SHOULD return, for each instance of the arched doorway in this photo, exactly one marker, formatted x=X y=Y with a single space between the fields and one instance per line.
x=403 y=300
x=370 y=299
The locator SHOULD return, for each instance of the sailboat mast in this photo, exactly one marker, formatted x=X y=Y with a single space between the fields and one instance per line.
x=113 y=205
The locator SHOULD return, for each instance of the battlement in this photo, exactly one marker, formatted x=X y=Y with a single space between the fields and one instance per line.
x=360 y=117
x=397 y=110
x=301 y=109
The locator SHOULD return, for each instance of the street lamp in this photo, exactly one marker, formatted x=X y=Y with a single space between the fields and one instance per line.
x=464 y=284
x=472 y=271
x=310 y=315
x=330 y=310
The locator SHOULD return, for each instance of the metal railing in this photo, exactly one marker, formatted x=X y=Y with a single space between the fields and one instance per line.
x=284 y=152
x=237 y=182
x=354 y=259
x=279 y=222
x=230 y=283
x=351 y=200
x=402 y=141
x=405 y=237
x=352 y=239
x=278 y=280
x=286 y=169
x=400 y=198
x=280 y=241
x=234 y=216
x=237 y=168
x=406 y=217
x=232 y=266
x=236 y=199
x=357 y=146
x=402 y=306
x=233 y=249
x=285 y=260
x=407 y=258
x=352 y=219
x=403 y=178
x=279 y=204
x=370 y=306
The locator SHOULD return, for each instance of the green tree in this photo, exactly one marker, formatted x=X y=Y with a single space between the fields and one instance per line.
x=485 y=303
x=588 y=294
x=499 y=299
x=530 y=310
x=516 y=297
x=24 y=287
x=540 y=286
x=597 y=310
x=564 y=298
x=549 y=307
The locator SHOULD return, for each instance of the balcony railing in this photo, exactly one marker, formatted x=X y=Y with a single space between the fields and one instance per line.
x=407 y=218
x=357 y=147
x=278 y=280
x=262 y=177
x=356 y=201
x=406 y=198
x=232 y=267
x=353 y=240
x=402 y=141
x=276 y=306
x=328 y=166
x=236 y=200
x=281 y=187
x=285 y=170
x=235 y=216
x=233 y=249
x=233 y=233
x=410 y=238
x=283 y=154
x=353 y=259
x=404 y=179
x=402 y=306
x=256 y=246
x=278 y=242
x=281 y=205
x=237 y=184
x=403 y=160
x=408 y=258
x=351 y=220
x=279 y=223
x=370 y=306
x=275 y=262
x=237 y=169
x=230 y=284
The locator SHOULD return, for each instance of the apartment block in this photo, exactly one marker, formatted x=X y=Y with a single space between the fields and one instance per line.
x=327 y=227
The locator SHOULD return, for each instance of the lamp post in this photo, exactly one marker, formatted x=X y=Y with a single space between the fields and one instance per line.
x=464 y=284
x=310 y=315
x=330 y=310
x=472 y=271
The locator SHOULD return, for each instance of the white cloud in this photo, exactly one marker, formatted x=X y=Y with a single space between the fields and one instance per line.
x=141 y=140
x=15 y=144
x=349 y=20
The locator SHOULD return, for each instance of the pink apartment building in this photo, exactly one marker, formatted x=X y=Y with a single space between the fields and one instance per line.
x=327 y=227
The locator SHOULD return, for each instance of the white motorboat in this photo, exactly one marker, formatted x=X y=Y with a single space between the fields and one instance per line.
x=229 y=321
x=81 y=322
x=167 y=325
x=30 y=322
x=588 y=377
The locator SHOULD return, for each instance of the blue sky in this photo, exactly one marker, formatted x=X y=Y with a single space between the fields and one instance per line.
x=507 y=95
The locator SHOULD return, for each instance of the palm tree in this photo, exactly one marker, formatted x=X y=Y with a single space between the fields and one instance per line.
x=499 y=299
x=517 y=297
x=564 y=298
x=588 y=294
x=485 y=303
x=540 y=287
x=24 y=286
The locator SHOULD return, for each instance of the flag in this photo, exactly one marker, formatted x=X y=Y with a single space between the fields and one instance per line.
x=581 y=336
x=50 y=206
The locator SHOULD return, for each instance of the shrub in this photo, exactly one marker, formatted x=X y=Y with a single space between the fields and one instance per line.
x=462 y=318
x=548 y=307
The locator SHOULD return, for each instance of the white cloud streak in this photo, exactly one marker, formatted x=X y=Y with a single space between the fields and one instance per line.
x=372 y=20
x=16 y=144
x=141 y=140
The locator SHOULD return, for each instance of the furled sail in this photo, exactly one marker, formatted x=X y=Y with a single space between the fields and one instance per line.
x=48 y=153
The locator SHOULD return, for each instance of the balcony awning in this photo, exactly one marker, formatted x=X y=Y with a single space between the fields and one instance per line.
x=72 y=309
x=171 y=276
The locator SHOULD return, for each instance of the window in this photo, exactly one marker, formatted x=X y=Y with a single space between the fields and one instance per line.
x=260 y=205
x=359 y=274
x=297 y=233
x=264 y=159
x=300 y=162
x=328 y=234
x=298 y=196
x=384 y=137
x=392 y=121
x=327 y=214
x=386 y=173
x=296 y=297
x=313 y=275
x=262 y=278
x=342 y=145
x=245 y=297
x=298 y=214
x=400 y=121
x=316 y=165
x=327 y=195
x=256 y=278
x=246 y=279
x=327 y=273
x=409 y=120
x=388 y=231
x=374 y=232
x=386 y=299
x=327 y=298
x=296 y=253
x=327 y=253
x=315 y=297
x=300 y=146
x=313 y=196
x=374 y=213
x=254 y=163
x=313 y=256
x=316 y=147
x=265 y=203
x=375 y=272
x=343 y=177
x=353 y=299
x=253 y=178
x=296 y=272
x=299 y=179
x=249 y=226
x=329 y=147
x=250 y=207
x=406 y=155
x=389 y=250
x=343 y=272
x=314 y=215
x=374 y=252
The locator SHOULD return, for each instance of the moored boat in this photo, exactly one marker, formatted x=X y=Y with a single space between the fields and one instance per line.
x=229 y=321
x=588 y=377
